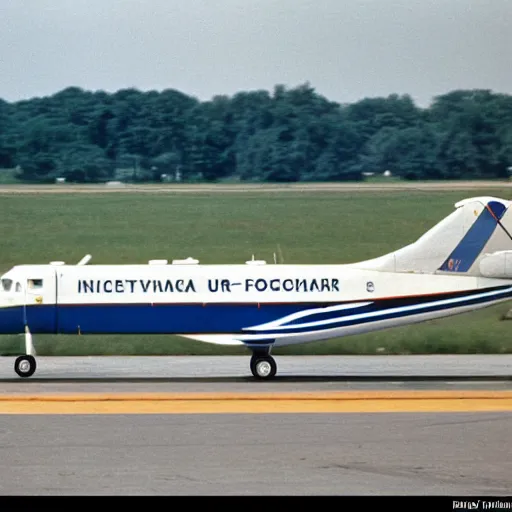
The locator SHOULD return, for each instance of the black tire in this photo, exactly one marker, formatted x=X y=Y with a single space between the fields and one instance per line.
x=25 y=366
x=263 y=367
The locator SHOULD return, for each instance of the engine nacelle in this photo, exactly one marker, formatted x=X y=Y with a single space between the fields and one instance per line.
x=497 y=265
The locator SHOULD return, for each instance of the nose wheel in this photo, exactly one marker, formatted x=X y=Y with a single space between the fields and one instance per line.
x=25 y=366
x=263 y=366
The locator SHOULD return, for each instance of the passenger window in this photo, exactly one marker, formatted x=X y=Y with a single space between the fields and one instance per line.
x=35 y=284
x=6 y=285
x=18 y=287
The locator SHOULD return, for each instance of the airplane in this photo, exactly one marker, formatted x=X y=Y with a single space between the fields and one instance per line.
x=463 y=263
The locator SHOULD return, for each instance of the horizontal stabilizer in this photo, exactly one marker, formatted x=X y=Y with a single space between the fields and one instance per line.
x=497 y=265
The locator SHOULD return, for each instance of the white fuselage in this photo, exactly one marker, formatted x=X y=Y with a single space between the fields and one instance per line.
x=252 y=304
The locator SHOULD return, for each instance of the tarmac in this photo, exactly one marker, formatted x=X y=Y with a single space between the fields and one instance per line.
x=327 y=425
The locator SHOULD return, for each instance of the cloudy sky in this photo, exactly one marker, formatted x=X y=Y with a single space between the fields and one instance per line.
x=345 y=49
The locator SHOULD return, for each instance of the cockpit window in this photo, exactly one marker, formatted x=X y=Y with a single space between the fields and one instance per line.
x=6 y=285
x=18 y=287
x=35 y=283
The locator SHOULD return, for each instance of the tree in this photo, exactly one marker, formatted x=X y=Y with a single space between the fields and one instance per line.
x=288 y=134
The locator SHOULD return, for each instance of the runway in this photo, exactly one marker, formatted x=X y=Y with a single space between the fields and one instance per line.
x=232 y=373
x=204 y=426
x=278 y=454
x=188 y=188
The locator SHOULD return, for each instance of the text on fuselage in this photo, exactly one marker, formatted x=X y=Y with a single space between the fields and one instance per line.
x=135 y=285
x=213 y=285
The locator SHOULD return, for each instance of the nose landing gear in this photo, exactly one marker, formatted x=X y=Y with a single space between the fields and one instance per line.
x=25 y=366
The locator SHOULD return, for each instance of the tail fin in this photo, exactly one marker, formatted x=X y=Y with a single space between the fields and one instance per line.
x=464 y=255
x=456 y=243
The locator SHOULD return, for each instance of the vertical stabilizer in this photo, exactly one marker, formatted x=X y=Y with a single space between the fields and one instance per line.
x=464 y=255
x=455 y=244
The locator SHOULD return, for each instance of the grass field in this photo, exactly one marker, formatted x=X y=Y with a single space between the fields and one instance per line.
x=305 y=227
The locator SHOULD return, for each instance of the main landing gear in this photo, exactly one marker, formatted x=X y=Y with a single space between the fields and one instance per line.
x=25 y=366
x=263 y=365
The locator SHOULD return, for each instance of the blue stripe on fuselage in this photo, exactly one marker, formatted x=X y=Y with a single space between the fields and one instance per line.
x=169 y=318
x=388 y=310
x=40 y=319
x=224 y=318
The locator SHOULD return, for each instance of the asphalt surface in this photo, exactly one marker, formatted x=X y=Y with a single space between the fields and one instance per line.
x=257 y=454
x=231 y=373
x=321 y=454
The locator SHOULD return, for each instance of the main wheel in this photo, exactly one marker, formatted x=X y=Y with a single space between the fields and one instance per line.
x=263 y=367
x=25 y=366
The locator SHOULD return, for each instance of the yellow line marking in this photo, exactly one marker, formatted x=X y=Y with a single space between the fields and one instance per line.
x=269 y=395
x=245 y=403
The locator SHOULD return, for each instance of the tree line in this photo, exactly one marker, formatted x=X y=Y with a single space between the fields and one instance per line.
x=288 y=134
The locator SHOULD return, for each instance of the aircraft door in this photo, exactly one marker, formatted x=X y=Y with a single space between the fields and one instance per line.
x=40 y=310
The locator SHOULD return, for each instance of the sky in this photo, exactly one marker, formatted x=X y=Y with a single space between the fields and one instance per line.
x=346 y=49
